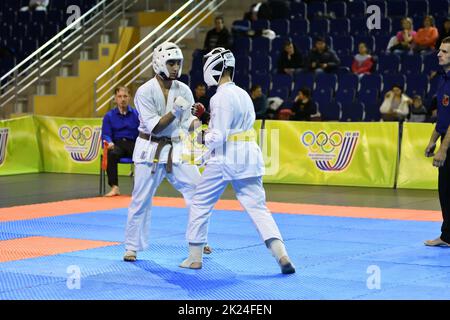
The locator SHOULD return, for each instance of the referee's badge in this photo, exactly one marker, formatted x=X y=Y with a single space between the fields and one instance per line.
x=445 y=100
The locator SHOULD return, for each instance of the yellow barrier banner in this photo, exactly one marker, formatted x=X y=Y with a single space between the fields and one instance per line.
x=331 y=153
x=415 y=170
x=70 y=145
x=19 y=150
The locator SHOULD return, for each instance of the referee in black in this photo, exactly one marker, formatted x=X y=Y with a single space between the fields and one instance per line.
x=441 y=159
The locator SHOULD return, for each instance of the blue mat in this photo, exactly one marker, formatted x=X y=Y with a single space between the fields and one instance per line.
x=334 y=257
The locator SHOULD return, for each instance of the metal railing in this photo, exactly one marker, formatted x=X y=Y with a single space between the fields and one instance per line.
x=139 y=55
x=62 y=46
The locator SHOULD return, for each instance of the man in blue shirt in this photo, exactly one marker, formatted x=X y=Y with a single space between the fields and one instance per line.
x=119 y=130
x=441 y=159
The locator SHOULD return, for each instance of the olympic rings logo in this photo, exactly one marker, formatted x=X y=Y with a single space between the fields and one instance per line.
x=327 y=143
x=75 y=135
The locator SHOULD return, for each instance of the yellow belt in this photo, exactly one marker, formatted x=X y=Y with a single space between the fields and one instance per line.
x=248 y=135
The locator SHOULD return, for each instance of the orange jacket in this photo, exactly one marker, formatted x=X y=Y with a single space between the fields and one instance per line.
x=426 y=37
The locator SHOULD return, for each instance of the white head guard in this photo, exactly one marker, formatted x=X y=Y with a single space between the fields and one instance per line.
x=214 y=63
x=164 y=52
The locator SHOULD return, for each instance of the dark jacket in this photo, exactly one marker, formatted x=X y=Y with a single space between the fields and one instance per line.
x=303 y=111
x=328 y=56
x=295 y=62
x=216 y=39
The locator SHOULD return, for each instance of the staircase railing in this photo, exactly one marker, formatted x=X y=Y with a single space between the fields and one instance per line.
x=184 y=21
x=62 y=46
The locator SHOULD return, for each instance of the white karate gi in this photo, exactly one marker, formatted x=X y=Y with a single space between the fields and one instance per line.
x=151 y=105
x=238 y=162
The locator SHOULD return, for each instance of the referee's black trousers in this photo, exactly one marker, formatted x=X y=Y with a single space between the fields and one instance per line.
x=444 y=197
x=122 y=149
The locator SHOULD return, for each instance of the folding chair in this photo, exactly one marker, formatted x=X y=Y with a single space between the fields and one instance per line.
x=104 y=165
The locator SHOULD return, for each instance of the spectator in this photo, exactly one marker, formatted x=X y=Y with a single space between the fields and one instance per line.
x=200 y=96
x=444 y=32
x=259 y=101
x=426 y=37
x=290 y=60
x=258 y=11
x=417 y=112
x=36 y=5
x=119 y=130
x=403 y=41
x=303 y=108
x=321 y=58
x=395 y=106
x=363 y=61
x=219 y=36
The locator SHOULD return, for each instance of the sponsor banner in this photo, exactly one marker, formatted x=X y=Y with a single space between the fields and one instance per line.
x=19 y=150
x=415 y=170
x=330 y=153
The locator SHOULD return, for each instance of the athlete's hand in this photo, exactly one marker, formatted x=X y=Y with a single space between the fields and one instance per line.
x=429 y=151
x=439 y=158
x=198 y=109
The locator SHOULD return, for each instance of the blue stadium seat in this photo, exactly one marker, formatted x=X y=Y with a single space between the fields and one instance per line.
x=261 y=64
x=343 y=45
x=371 y=81
x=298 y=10
x=304 y=43
x=381 y=43
x=242 y=45
x=243 y=81
x=358 y=26
x=280 y=92
x=263 y=81
x=282 y=81
x=326 y=80
x=260 y=45
x=303 y=80
x=316 y=8
x=417 y=8
x=390 y=79
x=385 y=27
x=352 y=112
x=380 y=3
x=329 y=111
x=280 y=26
x=397 y=8
x=430 y=63
x=339 y=8
x=319 y=27
x=346 y=61
x=243 y=64
x=56 y=16
x=411 y=64
x=388 y=64
x=372 y=112
x=348 y=81
x=185 y=79
x=356 y=9
x=416 y=84
x=260 y=24
x=241 y=25
x=299 y=27
x=340 y=27
x=438 y=8
x=345 y=96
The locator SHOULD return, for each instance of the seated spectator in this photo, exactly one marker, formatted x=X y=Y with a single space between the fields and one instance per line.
x=259 y=101
x=426 y=37
x=119 y=130
x=290 y=60
x=444 y=32
x=321 y=58
x=200 y=96
x=219 y=36
x=303 y=108
x=403 y=41
x=395 y=106
x=36 y=5
x=258 y=11
x=417 y=111
x=363 y=61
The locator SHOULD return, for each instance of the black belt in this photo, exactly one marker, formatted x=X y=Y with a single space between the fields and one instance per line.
x=162 y=142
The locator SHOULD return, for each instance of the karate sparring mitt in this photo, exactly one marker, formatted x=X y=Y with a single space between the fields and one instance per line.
x=179 y=106
x=198 y=109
